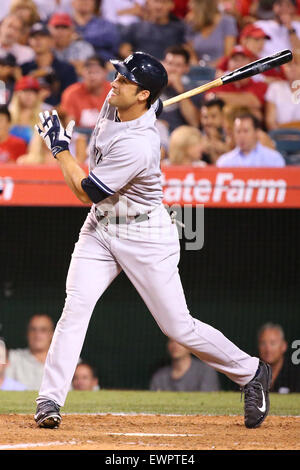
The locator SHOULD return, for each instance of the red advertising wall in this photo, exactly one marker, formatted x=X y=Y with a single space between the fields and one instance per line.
x=211 y=186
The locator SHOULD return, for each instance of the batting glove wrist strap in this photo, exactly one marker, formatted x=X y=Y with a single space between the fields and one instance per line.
x=51 y=130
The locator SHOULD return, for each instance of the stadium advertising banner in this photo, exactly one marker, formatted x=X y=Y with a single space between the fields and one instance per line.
x=211 y=186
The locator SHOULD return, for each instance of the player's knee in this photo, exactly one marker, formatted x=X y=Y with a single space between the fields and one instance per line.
x=180 y=333
x=77 y=306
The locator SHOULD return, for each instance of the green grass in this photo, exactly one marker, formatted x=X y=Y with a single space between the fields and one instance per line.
x=114 y=401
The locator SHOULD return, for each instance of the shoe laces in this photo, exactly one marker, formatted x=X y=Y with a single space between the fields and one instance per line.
x=47 y=404
x=250 y=393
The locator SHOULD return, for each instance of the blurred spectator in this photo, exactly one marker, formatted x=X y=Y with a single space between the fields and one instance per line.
x=66 y=48
x=37 y=153
x=83 y=100
x=284 y=31
x=25 y=107
x=27 y=11
x=58 y=74
x=47 y=8
x=245 y=91
x=85 y=377
x=185 y=374
x=9 y=73
x=11 y=147
x=214 y=138
x=102 y=34
x=261 y=9
x=283 y=98
x=233 y=8
x=248 y=151
x=180 y=8
x=6 y=383
x=155 y=34
x=212 y=34
x=27 y=365
x=186 y=147
x=176 y=63
x=10 y=32
x=122 y=12
x=229 y=116
x=253 y=39
x=4 y=10
x=272 y=347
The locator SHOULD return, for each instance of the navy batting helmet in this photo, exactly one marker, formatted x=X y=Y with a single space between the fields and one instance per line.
x=144 y=70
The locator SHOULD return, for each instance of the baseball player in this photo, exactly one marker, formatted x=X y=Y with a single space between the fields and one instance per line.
x=128 y=228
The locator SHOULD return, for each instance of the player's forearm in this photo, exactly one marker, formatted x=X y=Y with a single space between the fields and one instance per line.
x=73 y=175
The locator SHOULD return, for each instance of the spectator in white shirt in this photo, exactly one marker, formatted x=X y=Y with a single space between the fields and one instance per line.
x=10 y=32
x=27 y=365
x=248 y=151
x=4 y=10
x=47 y=8
x=122 y=12
x=283 y=99
x=6 y=383
x=284 y=33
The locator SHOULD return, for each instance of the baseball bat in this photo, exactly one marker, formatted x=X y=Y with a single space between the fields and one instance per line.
x=258 y=66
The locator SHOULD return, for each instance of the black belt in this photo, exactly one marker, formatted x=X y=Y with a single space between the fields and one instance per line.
x=123 y=219
x=120 y=219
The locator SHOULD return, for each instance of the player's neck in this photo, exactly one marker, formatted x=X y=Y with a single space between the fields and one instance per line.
x=132 y=113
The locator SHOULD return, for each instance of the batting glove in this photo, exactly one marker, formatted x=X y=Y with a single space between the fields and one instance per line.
x=55 y=136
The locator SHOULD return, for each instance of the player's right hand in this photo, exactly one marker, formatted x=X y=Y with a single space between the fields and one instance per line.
x=56 y=137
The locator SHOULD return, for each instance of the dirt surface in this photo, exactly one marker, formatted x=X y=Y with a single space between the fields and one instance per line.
x=154 y=432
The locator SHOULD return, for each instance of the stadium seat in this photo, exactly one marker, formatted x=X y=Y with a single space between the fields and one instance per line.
x=199 y=75
x=288 y=144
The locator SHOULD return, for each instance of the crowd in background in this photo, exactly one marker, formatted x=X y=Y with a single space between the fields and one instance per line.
x=55 y=54
x=23 y=367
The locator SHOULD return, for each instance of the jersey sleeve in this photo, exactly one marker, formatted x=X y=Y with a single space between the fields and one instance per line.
x=126 y=160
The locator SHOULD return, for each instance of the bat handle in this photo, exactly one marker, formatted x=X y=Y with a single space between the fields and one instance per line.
x=193 y=92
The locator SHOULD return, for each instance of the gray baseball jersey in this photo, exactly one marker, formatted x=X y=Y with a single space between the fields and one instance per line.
x=125 y=162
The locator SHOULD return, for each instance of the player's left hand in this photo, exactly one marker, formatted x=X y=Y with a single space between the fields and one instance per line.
x=52 y=131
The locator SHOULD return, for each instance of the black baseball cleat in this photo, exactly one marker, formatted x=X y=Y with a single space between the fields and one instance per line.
x=47 y=415
x=257 y=402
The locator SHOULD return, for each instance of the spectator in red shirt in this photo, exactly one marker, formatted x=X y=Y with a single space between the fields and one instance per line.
x=180 y=8
x=244 y=92
x=83 y=100
x=253 y=38
x=11 y=147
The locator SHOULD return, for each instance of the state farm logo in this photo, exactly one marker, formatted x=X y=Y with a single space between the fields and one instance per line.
x=6 y=188
x=225 y=188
